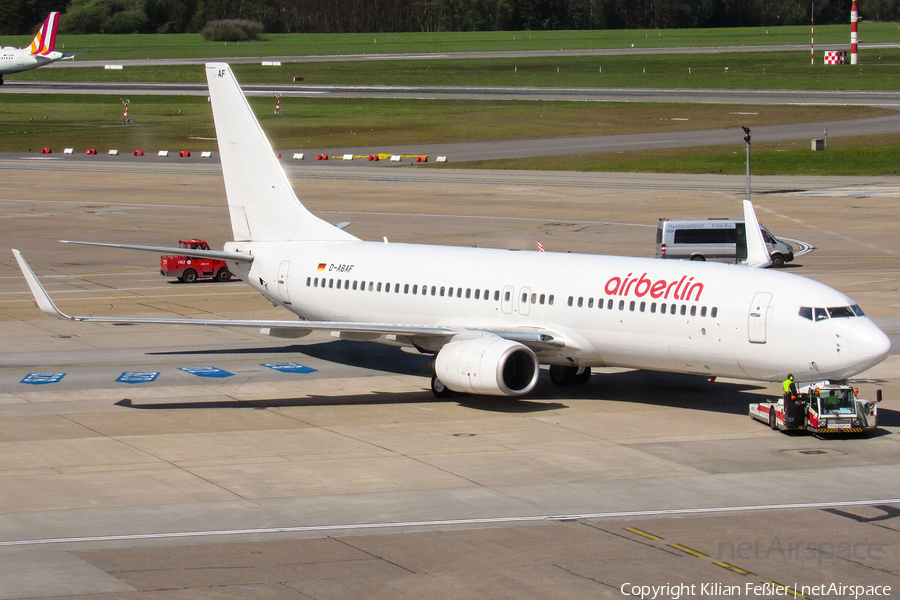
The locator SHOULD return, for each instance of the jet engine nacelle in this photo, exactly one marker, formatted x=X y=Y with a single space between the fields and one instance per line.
x=487 y=365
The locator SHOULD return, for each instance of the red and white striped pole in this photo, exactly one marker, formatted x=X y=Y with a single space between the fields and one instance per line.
x=812 y=34
x=854 y=54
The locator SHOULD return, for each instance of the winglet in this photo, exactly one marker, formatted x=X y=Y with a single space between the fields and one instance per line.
x=757 y=253
x=37 y=290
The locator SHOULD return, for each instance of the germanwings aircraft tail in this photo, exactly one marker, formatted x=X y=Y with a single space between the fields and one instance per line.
x=261 y=201
x=44 y=41
x=40 y=52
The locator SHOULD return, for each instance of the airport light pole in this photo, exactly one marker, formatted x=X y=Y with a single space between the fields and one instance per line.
x=747 y=139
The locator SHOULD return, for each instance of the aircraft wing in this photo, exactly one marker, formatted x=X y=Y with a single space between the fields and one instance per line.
x=217 y=254
x=535 y=338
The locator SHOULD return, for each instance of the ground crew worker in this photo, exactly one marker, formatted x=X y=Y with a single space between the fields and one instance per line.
x=790 y=389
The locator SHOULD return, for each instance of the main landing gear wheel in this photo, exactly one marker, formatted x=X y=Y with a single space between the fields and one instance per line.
x=582 y=377
x=439 y=389
x=189 y=276
x=561 y=375
x=565 y=375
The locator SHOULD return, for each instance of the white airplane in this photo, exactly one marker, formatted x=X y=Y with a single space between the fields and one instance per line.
x=491 y=317
x=41 y=51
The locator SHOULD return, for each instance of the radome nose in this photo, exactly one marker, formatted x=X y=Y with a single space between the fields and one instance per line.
x=867 y=344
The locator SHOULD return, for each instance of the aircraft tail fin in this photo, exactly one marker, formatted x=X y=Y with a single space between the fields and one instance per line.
x=44 y=41
x=261 y=201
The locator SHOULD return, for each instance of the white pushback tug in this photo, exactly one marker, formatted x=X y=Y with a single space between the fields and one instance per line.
x=821 y=408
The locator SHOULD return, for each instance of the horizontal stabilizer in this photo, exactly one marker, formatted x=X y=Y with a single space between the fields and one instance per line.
x=216 y=254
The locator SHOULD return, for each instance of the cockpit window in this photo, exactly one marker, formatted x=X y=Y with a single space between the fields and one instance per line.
x=838 y=312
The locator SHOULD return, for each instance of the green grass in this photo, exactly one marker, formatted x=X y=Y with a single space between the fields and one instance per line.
x=870 y=155
x=137 y=46
x=760 y=70
x=181 y=122
x=31 y=122
x=28 y=124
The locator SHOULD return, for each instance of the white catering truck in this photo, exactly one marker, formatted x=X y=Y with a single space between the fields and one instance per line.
x=821 y=408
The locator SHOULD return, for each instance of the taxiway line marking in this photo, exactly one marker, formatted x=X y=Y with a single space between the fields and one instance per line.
x=731 y=567
x=645 y=534
x=690 y=551
x=447 y=522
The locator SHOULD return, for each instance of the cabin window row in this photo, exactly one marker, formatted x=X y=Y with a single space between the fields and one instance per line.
x=644 y=306
x=415 y=289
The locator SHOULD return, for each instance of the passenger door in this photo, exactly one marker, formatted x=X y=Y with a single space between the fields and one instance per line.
x=506 y=300
x=759 y=312
x=283 y=291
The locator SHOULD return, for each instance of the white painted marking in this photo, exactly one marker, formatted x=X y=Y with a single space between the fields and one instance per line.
x=450 y=522
x=800 y=247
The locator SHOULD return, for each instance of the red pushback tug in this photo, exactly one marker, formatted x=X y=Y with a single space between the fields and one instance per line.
x=189 y=269
x=821 y=408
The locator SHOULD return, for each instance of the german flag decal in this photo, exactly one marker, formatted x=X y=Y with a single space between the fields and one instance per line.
x=321 y=267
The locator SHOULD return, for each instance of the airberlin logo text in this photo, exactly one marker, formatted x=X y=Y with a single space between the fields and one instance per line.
x=681 y=289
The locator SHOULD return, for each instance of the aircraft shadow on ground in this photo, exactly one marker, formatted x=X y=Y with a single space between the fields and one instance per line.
x=363 y=355
x=487 y=403
x=888 y=417
x=645 y=387
x=660 y=389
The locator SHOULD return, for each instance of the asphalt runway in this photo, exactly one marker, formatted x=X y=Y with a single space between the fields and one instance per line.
x=642 y=47
x=879 y=98
x=348 y=479
x=497 y=150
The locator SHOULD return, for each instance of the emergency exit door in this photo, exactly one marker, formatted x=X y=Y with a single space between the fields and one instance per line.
x=759 y=313
x=506 y=300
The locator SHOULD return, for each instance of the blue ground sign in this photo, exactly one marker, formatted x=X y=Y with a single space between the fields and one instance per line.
x=206 y=371
x=40 y=378
x=138 y=377
x=289 y=367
